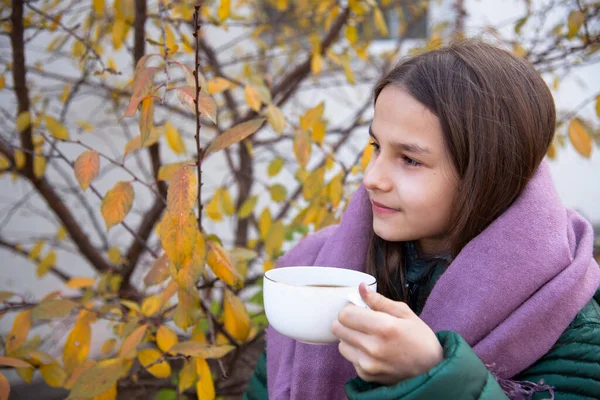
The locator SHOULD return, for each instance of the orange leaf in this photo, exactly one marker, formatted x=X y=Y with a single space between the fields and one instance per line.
x=98 y=379
x=206 y=105
x=165 y=338
x=159 y=271
x=252 y=98
x=132 y=341
x=14 y=362
x=218 y=85
x=220 y=263
x=79 y=283
x=580 y=137
x=4 y=387
x=146 y=122
x=182 y=192
x=234 y=135
x=87 y=166
x=302 y=147
x=178 y=236
x=142 y=87
x=276 y=118
x=117 y=203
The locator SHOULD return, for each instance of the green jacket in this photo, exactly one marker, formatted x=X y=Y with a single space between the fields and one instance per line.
x=571 y=367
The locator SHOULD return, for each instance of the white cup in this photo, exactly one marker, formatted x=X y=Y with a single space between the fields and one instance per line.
x=301 y=303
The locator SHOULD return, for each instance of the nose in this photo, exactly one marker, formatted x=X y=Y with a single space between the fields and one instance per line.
x=377 y=177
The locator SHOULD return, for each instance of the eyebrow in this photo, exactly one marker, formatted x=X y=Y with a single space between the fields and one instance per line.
x=407 y=147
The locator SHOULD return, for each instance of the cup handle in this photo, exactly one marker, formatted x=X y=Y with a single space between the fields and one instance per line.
x=355 y=299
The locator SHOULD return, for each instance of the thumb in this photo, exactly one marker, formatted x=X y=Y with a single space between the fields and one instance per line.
x=378 y=302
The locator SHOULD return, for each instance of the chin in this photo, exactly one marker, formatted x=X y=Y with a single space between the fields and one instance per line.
x=390 y=233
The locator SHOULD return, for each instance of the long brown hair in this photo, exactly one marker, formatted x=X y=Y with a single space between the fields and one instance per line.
x=498 y=120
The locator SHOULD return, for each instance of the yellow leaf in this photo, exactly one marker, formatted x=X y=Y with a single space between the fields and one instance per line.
x=161 y=369
x=166 y=338
x=146 y=121
x=98 y=379
x=580 y=137
x=335 y=190
x=268 y=265
x=174 y=139
x=17 y=335
x=62 y=233
x=53 y=374
x=212 y=208
x=77 y=345
x=247 y=207
x=178 y=236
x=80 y=283
x=351 y=34
x=312 y=116
x=264 y=223
x=171 y=41
x=205 y=387
x=275 y=166
x=2 y=81
x=19 y=159
x=206 y=104
x=187 y=375
x=39 y=166
x=36 y=250
x=226 y=201
x=46 y=264
x=220 y=263
x=224 y=10
x=302 y=147
x=87 y=166
x=114 y=255
x=348 y=69
x=576 y=19
x=318 y=134
x=65 y=93
x=110 y=394
x=98 y=6
x=519 y=50
x=152 y=305
x=187 y=311
x=119 y=33
x=199 y=349
x=366 y=157
x=236 y=319
x=313 y=184
x=234 y=135
x=274 y=239
x=159 y=271
x=117 y=203
x=278 y=192
x=136 y=143
x=23 y=121
x=56 y=128
x=218 y=85
x=25 y=373
x=183 y=192
x=252 y=98
x=598 y=106
x=109 y=345
x=276 y=118
x=52 y=308
x=130 y=344
x=551 y=151
x=316 y=63
x=379 y=20
x=14 y=362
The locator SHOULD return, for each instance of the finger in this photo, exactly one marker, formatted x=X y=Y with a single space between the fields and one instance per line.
x=349 y=352
x=378 y=302
x=354 y=338
x=366 y=367
x=364 y=320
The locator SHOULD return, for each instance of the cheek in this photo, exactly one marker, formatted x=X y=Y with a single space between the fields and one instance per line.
x=429 y=197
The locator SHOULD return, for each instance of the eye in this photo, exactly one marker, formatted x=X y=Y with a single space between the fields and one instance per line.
x=376 y=147
x=410 y=162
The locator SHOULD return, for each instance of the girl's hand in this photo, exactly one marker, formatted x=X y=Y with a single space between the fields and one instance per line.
x=388 y=343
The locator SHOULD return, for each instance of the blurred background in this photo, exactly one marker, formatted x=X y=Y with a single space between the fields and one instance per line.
x=85 y=174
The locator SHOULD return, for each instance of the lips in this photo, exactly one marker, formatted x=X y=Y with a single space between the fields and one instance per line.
x=382 y=209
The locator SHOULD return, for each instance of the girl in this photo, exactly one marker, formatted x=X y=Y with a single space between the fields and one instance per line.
x=486 y=282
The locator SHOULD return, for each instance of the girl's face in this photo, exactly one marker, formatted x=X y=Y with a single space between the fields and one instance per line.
x=410 y=180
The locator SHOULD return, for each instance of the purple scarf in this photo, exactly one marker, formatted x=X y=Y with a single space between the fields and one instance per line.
x=510 y=293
